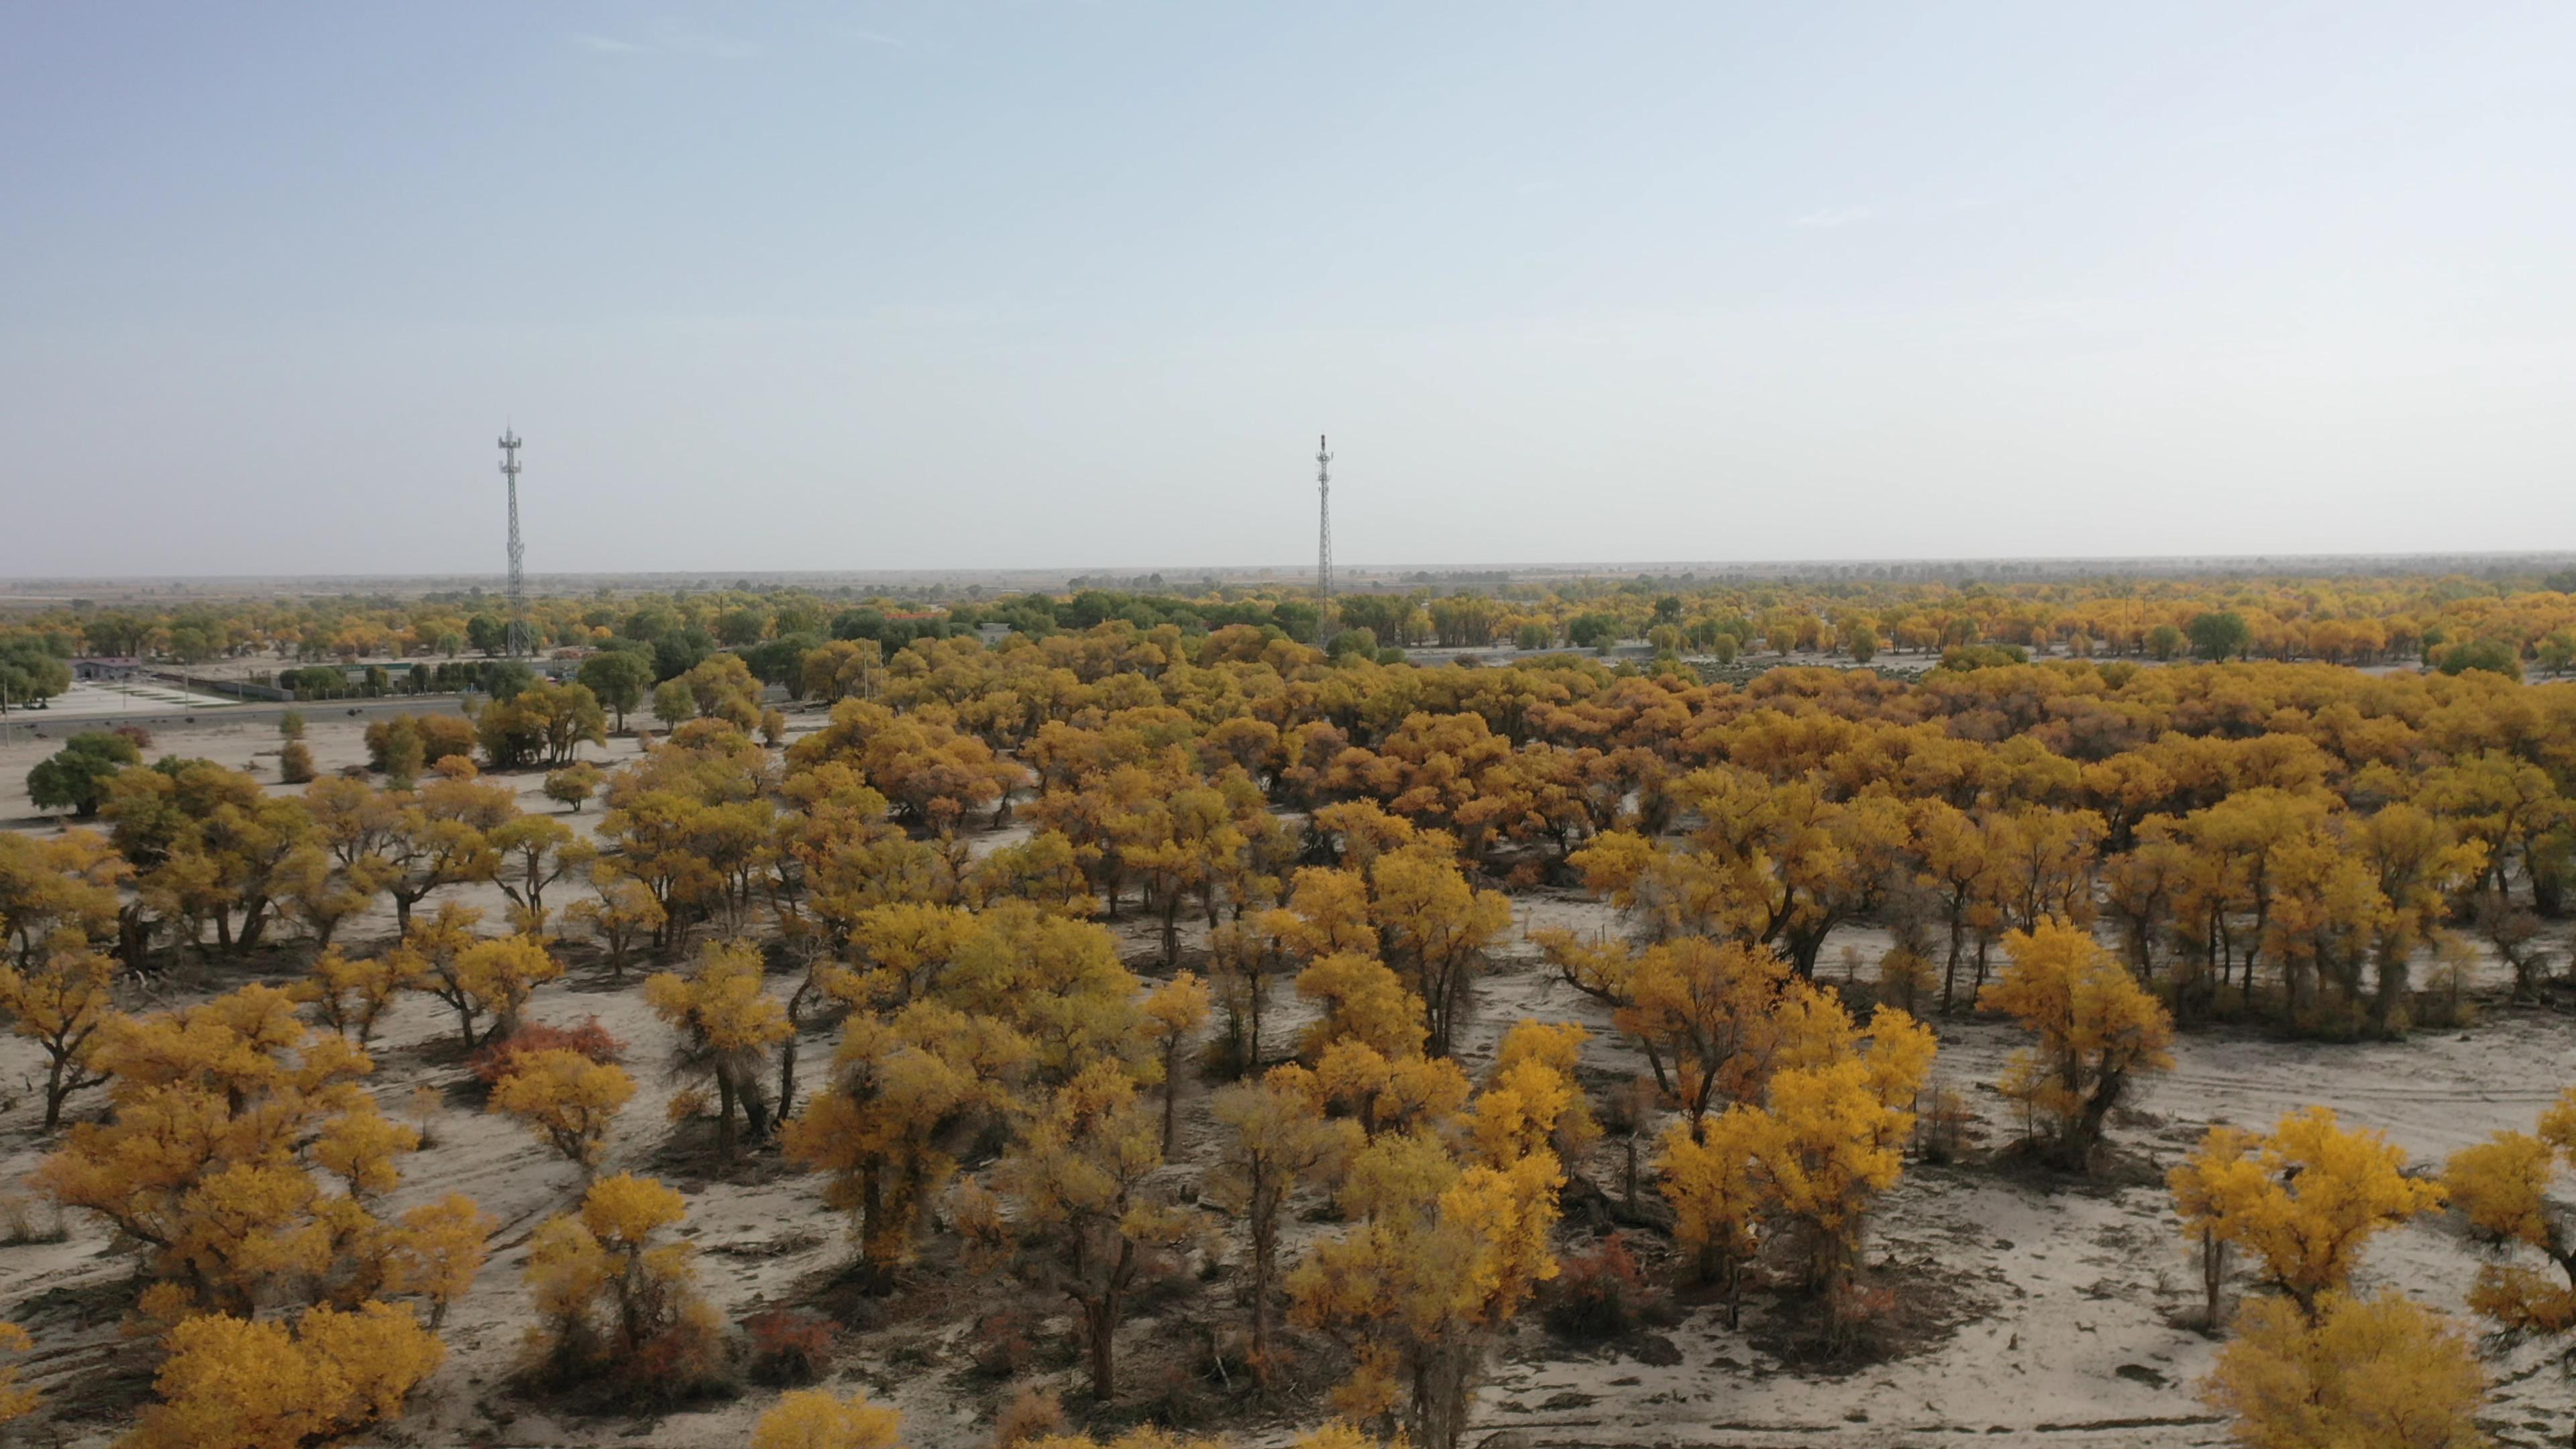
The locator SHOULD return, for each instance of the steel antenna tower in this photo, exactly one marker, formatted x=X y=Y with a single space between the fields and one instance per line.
x=519 y=642
x=1323 y=541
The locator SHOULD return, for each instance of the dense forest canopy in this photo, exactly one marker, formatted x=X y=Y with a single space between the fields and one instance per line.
x=881 y=939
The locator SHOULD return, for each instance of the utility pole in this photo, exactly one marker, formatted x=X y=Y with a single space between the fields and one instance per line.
x=518 y=647
x=1323 y=542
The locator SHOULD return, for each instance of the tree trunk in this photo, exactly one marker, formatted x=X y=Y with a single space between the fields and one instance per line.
x=1265 y=1247
x=1100 y=1317
x=2391 y=986
x=2213 y=1273
x=55 y=1092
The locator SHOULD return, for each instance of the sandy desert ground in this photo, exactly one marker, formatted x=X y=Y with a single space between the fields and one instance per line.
x=2045 y=1312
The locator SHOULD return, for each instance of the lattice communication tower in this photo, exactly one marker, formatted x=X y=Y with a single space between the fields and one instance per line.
x=1323 y=540
x=519 y=644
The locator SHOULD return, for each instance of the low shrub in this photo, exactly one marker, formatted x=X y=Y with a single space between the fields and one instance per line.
x=1032 y=1413
x=1598 y=1295
x=495 y=1060
x=788 y=1347
x=1001 y=1345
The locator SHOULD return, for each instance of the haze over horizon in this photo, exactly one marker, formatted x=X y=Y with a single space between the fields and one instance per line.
x=1024 y=286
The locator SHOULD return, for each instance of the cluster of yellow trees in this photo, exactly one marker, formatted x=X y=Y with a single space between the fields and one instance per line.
x=2341 y=619
x=245 y=1160
x=2313 y=1362
x=2290 y=838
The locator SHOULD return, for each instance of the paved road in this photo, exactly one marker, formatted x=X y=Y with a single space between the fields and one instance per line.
x=38 y=724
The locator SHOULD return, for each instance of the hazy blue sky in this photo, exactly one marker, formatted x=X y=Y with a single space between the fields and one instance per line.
x=1077 y=284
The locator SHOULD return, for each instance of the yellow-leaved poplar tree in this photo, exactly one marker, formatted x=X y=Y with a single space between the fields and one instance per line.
x=1092 y=1221
x=728 y=1026
x=2098 y=1031
x=17 y=1400
x=352 y=996
x=1276 y=1139
x=235 y=1383
x=1173 y=1012
x=1714 y=1181
x=2349 y=1372
x=881 y=1127
x=566 y=1099
x=500 y=975
x=1446 y=1251
x=1811 y=1155
x=2502 y=1185
x=231 y=1120
x=59 y=1002
x=605 y=1288
x=2303 y=1200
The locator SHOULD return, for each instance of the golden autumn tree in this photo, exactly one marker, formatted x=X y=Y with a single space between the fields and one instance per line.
x=1361 y=1000
x=606 y=1283
x=568 y=1100
x=1248 y=957
x=1092 y=1221
x=1446 y=1256
x=623 y=915
x=536 y=851
x=232 y=1120
x=1434 y=928
x=727 y=1027
x=499 y=976
x=1713 y=1179
x=2097 y=1030
x=1531 y=1101
x=2348 y=1372
x=235 y=1383
x=2303 y=1200
x=1812 y=1151
x=52 y=891
x=2503 y=1187
x=1403 y=1094
x=1173 y=1012
x=899 y=1085
x=1706 y=1012
x=819 y=1419
x=1275 y=1141
x=351 y=995
x=1840 y=1119
x=60 y=1002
